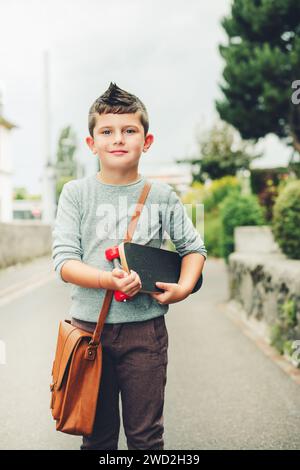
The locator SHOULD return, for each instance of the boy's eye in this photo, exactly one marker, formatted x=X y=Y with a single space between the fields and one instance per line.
x=128 y=130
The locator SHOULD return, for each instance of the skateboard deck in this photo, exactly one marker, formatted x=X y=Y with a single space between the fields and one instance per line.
x=152 y=265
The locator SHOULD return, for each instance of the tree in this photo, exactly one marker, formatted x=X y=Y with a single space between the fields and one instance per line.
x=262 y=61
x=20 y=193
x=221 y=153
x=66 y=167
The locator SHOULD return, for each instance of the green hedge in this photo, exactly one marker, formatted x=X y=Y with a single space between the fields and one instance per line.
x=218 y=190
x=286 y=220
x=212 y=232
x=238 y=210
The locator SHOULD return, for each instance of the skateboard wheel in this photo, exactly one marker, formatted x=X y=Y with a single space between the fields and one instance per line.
x=112 y=253
x=121 y=296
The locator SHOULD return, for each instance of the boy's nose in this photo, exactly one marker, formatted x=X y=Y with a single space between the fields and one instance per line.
x=118 y=137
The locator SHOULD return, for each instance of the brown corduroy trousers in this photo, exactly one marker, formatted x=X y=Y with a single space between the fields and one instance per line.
x=134 y=364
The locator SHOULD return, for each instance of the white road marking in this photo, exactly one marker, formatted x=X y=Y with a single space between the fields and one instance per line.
x=22 y=288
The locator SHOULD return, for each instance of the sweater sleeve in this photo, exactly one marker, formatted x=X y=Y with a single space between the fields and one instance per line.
x=181 y=229
x=66 y=237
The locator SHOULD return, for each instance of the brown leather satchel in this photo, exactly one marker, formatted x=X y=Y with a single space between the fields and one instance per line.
x=77 y=367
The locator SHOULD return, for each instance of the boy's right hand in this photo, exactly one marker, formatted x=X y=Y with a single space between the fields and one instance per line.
x=129 y=284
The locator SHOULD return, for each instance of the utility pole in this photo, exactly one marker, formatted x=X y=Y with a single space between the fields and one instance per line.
x=48 y=176
x=6 y=165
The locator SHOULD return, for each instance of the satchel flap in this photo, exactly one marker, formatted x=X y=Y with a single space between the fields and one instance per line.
x=68 y=338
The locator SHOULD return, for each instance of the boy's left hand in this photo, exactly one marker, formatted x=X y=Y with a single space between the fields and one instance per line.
x=172 y=293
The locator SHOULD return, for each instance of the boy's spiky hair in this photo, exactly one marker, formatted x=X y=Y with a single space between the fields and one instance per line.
x=116 y=100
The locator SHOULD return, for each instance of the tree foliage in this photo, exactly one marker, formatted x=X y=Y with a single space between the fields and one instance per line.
x=262 y=60
x=221 y=153
x=66 y=164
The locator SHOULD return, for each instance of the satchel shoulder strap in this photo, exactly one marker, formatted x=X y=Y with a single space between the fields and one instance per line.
x=129 y=234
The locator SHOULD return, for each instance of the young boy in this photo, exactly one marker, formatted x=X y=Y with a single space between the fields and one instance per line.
x=93 y=214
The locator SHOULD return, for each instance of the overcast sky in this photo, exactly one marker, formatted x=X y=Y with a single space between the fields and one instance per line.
x=165 y=52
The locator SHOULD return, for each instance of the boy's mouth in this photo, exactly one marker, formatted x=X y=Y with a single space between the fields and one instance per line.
x=119 y=152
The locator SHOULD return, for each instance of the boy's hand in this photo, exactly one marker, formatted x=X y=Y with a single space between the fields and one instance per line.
x=172 y=293
x=130 y=284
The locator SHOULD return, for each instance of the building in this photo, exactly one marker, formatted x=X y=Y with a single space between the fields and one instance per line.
x=175 y=176
x=27 y=209
x=6 y=167
x=6 y=171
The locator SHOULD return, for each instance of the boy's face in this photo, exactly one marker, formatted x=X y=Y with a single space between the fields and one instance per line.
x=119 y=132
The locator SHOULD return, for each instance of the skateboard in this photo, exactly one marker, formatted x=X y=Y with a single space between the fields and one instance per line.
x=151 y=264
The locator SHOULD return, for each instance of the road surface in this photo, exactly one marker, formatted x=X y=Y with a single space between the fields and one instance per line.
x=222 y=392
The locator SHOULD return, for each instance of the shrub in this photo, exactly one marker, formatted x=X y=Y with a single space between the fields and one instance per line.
x=282 y=332
x=211 y=196
x=236 y=211
x=286 y=220
x=218 y=190
x=212 y=233
x=60 y=184
x=266 y=182
x=195 y=194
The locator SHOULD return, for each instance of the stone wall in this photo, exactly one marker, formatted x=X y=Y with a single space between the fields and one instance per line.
x=264 y=281
x=22 y=241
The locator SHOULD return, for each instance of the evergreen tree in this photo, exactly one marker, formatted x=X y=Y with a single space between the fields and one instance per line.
x=262 y=61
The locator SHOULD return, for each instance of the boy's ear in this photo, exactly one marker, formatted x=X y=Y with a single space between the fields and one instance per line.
x=90 y=142
x=148 y=141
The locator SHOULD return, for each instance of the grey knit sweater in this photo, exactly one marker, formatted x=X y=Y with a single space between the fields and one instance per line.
x=93 y=216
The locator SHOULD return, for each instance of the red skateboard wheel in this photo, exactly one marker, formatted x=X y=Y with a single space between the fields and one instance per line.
x=121 y=296
x=112 y=253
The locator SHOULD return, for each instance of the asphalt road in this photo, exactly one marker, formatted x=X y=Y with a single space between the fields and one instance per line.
x=222 y=392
